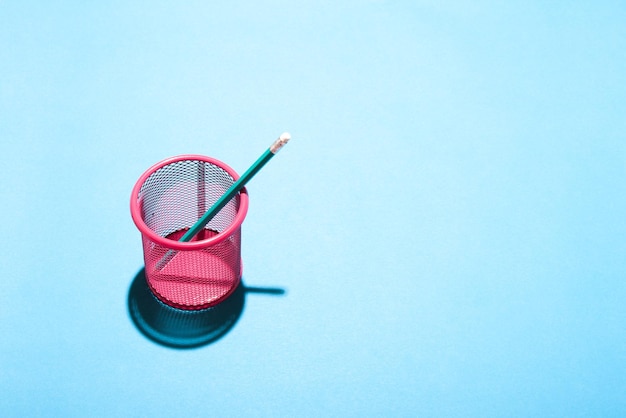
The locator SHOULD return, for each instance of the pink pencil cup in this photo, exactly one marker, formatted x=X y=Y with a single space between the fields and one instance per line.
x=166 y=201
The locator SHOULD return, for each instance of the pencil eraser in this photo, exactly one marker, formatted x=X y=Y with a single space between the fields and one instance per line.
x=280 y=142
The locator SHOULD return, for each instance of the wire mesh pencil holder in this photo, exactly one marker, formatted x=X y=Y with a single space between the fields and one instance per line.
x=166 y=201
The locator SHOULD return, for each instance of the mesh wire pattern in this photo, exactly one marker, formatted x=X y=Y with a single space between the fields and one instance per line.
x=167 y=200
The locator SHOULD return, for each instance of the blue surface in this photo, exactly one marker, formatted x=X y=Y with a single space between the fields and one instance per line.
x=447 y=223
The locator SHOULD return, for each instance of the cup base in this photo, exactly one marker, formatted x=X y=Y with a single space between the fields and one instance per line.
x=185 y=281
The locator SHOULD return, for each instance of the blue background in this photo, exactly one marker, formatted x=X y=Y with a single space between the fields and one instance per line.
x=447 y=222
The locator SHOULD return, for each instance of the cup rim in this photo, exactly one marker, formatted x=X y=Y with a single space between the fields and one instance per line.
x=135 y=206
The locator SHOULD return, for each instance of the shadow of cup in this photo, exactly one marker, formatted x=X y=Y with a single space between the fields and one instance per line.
x=177 y=328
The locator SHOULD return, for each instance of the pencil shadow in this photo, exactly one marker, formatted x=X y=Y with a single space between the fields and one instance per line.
x=182 y=329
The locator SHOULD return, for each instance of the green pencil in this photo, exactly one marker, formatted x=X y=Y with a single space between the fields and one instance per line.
x=229 y=194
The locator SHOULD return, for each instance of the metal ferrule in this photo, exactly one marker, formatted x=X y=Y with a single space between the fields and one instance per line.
x=277 y=145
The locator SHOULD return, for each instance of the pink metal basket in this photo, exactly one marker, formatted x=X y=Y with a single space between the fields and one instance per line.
x=165 y=202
